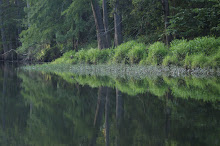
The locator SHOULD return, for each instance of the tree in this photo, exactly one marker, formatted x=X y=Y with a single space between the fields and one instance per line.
x=117 y=24
x=166 y=10
x=3 y=35
x=101 y=29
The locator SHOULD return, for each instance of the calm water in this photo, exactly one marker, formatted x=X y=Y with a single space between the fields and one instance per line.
x=45 y=109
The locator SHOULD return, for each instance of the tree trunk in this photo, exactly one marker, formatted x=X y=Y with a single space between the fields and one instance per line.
x=107 y=118
x=4 y=41
x=101 y=35
x=99 y=113
x=166 y=10
x=28 y=7
x=118 y=25
x=119 y=113
x=19 y=27
x=105 y=22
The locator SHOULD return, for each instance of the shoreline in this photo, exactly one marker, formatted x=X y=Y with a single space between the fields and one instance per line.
x=121 y=70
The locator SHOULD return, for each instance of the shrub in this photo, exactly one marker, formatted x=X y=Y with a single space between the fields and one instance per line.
x=68 y=57
x=168 y=60
x=156 y=54
x=206 y=45
x=82 y=56
x=137 y=53
x=179 y=49
x=188 y=61
x=96 y=56
x=199 y=61
x=214 y=60
x=121 y=51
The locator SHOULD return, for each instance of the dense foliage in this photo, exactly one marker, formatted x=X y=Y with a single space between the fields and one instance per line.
x=201 y=52
x=45 y=29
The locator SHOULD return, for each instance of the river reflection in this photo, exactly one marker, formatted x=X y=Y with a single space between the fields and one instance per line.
x=46 y=109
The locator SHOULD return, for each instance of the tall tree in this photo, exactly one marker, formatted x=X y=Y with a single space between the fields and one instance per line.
x=117 y=24
x=105 y=21
x=166 y=10
x=4 y=41
x=100 y=28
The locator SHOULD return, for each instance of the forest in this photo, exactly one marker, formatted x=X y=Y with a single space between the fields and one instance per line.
x=147 y=32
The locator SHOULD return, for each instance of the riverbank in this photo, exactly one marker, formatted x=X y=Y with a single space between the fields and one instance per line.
x=201 y=52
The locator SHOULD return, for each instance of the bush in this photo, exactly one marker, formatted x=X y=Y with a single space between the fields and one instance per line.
x=206 y=45
x=168 y=60
x=193 y=61
x=214 y=60
x=179 y=49
x=68 y=57
x=81 y=56
x=121 y=51
x=199 y=61
x=156 y=53
x=96 y=56
x=137 y=53
x=200 y=52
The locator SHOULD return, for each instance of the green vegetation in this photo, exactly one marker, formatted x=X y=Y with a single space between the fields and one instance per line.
x=200 y=52
x=136 y=79
x=44 y=30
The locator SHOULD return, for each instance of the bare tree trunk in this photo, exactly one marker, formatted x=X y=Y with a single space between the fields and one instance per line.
x=166 y=10
x=4 y=41
x=118 y=25
x=101 y=35
x=105 y=22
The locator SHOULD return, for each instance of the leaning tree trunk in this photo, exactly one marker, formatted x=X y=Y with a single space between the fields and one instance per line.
x=118 y=25
x=101 y=35
x=4 y=41
x=166 y=10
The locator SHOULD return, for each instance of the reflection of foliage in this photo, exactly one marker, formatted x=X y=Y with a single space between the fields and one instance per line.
x=190 y=87
x=59 y=115
x=59 y=111
x=207 y=89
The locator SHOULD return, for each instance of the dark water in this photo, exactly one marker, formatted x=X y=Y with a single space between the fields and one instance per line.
x=45 y=109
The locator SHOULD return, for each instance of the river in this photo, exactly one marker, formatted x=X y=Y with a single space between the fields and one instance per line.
x=54 y=109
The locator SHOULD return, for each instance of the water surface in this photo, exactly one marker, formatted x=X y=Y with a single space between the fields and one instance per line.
x=53 y=109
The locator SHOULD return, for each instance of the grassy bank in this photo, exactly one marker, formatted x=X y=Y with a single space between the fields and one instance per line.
x=198 y=53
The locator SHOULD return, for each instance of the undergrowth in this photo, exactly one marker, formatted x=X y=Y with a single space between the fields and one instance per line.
x=201 y=52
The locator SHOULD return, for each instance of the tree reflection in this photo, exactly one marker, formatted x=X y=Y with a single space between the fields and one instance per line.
x=47 y=109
